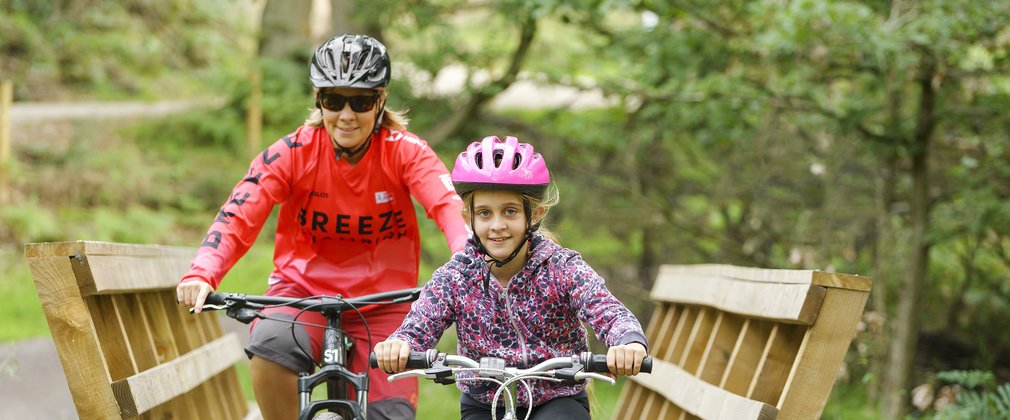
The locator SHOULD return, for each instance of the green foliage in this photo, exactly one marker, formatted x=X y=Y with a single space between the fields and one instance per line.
x=28 y=222
x=761 y=133
x=69 y=45
x=978 y=398
x=22 y=314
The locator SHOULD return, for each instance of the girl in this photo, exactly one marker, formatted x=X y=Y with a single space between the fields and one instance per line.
x=513 y=292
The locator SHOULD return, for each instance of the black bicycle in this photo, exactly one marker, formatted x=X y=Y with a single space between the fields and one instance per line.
x=333 y=372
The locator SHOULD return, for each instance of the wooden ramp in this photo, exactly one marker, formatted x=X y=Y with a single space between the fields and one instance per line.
x=127 y=349
x=743 y=343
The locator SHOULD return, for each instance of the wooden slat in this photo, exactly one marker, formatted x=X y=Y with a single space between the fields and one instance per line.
x=698 y=340
x=794 y=302
x=141 y=392
x=112 y=336
x=138 y=331
x=165 y=347
x=681 y=333
x=776 y=362
x=114 y=268
x=720 y=347
x=659 y=325
x=770 y=276
x=700 y=398
x=746 y=356
x=74 y=335
x=816 y=367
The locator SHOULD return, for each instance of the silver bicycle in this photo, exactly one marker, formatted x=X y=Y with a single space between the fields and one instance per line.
x=446 y=369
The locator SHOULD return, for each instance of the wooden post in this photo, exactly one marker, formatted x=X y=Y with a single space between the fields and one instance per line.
x=254 y=111
x=6 y=97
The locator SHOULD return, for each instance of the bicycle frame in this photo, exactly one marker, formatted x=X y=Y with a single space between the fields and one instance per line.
x=335 y=348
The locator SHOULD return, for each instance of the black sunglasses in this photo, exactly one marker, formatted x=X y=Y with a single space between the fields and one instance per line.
x=359 y=103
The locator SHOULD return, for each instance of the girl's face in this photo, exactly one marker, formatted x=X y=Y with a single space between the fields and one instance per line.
x=499 y=221
x=347 y=127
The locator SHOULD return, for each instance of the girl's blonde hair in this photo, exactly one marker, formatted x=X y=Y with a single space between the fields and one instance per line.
x=391 y=119
x=543 y=204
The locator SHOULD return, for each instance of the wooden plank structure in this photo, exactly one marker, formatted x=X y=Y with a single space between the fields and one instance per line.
x=127 y=349
x=742 y=343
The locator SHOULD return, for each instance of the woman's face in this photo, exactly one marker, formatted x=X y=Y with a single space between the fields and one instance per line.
x=499 y=221
x=347 y=127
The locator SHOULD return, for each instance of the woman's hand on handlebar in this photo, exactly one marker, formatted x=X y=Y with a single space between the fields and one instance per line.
x=626 y=360
x=192 y=293
x=392 y=355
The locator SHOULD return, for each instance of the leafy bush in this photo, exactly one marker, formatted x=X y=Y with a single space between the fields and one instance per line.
x=27 y=222
x=978 y=397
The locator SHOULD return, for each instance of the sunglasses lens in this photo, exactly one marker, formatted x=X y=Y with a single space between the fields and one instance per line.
x=335 y=102
x=362 y=103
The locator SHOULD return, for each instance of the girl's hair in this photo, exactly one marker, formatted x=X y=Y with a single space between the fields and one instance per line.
x=391 y=119
x=549 y=200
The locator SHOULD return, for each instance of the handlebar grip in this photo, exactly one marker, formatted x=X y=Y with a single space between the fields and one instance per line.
x=646 y=365
x=598 y=363
x=416 y=360
x=214 y=298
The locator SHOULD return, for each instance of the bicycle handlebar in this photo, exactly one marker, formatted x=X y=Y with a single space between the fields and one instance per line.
x=586 y=361
x=218 y=300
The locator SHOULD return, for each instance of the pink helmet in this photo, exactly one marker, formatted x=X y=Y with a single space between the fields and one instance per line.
x=496 y=164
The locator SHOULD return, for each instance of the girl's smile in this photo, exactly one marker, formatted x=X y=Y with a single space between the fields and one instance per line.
x=499 y=221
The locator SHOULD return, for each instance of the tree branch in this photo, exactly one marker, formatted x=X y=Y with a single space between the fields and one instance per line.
x=485 y=94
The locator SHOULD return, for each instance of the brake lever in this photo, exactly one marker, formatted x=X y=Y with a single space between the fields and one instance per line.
x=597 y=376
x=208 y=308
x=438 y=374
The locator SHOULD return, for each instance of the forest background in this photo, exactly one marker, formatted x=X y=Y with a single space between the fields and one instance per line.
x=864 y=137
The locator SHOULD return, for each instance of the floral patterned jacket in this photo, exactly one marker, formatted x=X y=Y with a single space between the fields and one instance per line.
x=539 y=315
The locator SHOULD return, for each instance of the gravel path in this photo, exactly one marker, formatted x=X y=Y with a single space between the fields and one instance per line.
x=32 y=383
x=27 y=112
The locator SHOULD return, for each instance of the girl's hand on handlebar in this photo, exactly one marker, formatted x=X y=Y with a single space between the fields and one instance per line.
x=392 y=355
x=626 y=360
x=192 y=293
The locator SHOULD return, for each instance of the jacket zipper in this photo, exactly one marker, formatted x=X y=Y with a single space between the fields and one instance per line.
x=512 y=320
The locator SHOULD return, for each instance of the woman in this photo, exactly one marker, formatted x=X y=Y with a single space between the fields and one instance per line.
x=344 y=181
x=513 y=292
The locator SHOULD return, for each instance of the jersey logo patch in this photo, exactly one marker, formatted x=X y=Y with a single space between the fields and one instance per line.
x=382 y=197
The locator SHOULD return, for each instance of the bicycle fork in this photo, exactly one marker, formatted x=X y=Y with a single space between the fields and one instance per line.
x=337 y=377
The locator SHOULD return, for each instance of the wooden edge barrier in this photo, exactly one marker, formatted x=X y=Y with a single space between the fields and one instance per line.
x=143 y=391
x=125 y=347
x=699 y=397
x=792 y=302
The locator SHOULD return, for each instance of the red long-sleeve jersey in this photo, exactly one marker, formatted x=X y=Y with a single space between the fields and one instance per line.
x=342 y=229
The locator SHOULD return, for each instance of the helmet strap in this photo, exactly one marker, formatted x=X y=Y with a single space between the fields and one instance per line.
x=379 y=117
x=350 y=153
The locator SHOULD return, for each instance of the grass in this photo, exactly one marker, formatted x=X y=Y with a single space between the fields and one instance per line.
x=21 y=315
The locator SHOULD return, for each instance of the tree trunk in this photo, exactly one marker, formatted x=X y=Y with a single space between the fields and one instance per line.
x=906 y=330
x=285 y=32
x=342 y=21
